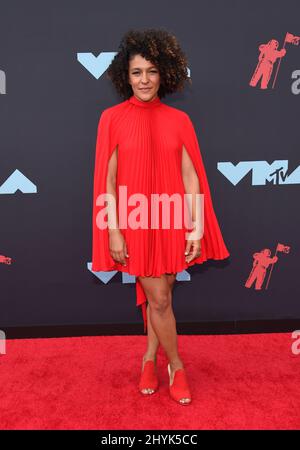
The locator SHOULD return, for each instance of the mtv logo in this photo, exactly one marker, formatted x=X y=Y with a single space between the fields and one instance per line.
x=262 y=172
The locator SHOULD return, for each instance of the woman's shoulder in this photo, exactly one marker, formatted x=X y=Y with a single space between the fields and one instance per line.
x=114 y=109
x=180 y=119
x=112 y=114
x=177 y=113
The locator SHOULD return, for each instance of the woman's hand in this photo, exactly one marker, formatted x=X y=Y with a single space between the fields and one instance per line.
x=117 y=246
x=192 y=249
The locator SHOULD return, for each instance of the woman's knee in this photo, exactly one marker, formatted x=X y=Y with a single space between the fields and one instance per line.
x=161 y=301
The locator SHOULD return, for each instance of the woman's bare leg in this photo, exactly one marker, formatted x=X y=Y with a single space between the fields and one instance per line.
x=152 y=339
x=162 y=318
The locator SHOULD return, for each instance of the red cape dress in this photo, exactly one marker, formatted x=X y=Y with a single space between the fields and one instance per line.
x=150 y=136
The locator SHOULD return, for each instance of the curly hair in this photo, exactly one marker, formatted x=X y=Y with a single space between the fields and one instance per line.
x=158 y=46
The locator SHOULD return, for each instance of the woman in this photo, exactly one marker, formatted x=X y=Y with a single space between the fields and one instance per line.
x=146 y=147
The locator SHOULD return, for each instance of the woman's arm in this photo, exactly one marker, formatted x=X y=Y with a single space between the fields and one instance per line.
x=111 y=189
x=190 y=179
x=192 y=186
x=117 y=244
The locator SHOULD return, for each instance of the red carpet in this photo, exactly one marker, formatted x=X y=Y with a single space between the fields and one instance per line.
x=237 y=381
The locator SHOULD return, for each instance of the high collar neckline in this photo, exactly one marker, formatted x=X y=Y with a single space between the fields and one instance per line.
x=145 y=104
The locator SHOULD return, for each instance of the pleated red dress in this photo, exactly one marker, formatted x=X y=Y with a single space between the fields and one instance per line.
x=150 y=138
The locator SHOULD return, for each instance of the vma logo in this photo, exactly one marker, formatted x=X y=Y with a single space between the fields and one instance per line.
x=97 y=65
x=17 y=181
x=106 y=276
x=262 y=172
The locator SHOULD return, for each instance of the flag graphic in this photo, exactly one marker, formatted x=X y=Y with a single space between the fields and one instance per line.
x=292 y=39
x=283 y=248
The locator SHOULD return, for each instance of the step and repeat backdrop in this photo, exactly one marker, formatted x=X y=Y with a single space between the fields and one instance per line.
x=244 y=61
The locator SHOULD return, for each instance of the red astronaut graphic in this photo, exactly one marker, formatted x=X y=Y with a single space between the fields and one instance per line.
x=267 y=58
x=262 y=260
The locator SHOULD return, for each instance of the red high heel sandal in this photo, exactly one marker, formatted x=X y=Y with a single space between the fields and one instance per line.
x=148 y=378
x=179 y=389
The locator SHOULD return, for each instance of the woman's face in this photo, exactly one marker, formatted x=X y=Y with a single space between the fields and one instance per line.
x=144 y=78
